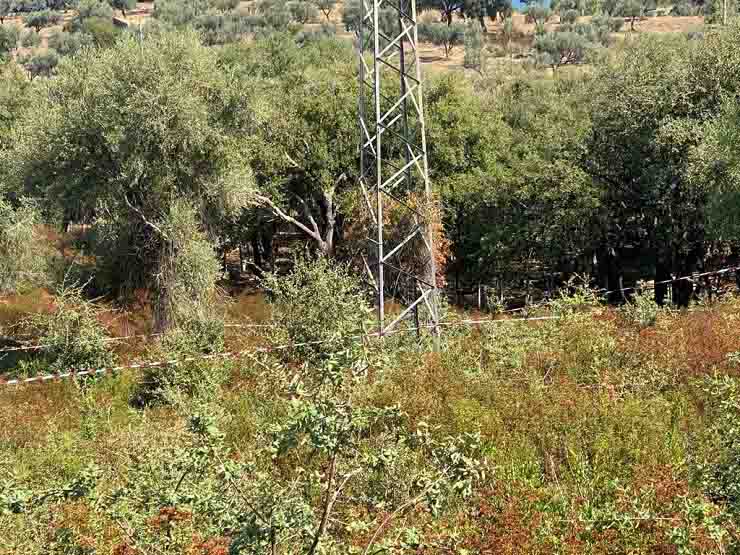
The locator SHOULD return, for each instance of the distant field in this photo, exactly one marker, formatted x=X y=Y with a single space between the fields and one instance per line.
x=433 y=57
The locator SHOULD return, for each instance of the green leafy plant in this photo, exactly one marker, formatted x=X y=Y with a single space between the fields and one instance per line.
x=474 y=48
x=303 y=11
x=642 y=310
x=24 y=257
x=716 y=466
x=72 y=335
x=318 y=309
x=40 y=63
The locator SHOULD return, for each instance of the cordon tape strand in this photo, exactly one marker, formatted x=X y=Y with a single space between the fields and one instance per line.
x=118 y=339
x=245 y=352
x=257 y=350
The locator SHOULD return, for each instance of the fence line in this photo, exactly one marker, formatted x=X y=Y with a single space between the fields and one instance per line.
x=237 y=354
x=119 y=339
x=246 y=352
x=690 y=277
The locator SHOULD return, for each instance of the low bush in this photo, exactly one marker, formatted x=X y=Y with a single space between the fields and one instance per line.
x=40 y=63
x=24 y=255
x=317 y=309
x=716 y=461
x=569 y=16
x=641 y=310
x=71 y=333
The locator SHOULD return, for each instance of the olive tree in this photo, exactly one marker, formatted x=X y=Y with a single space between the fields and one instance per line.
x=302 y=11
x=309 y=155
x=561 y=48
x=123 y=5
x=352 y=17
x=39 y=63
x=633 y=10
x=6 y=8
x=175 y=137
x=40 y=20
x=325 y=7
x=446 y=8
x=446 y=36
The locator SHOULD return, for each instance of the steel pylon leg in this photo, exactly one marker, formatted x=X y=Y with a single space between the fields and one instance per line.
x=394 y=172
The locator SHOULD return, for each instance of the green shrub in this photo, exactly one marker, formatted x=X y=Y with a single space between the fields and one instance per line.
x=613 y=24
x=225 y=5
x=190 y=304
x=199 y=377
x=40 y=63
x=473 y=47
x=188 y=296
x=537 y=14
x=716 y=464
x=682 y=9
x=319 y=301
x=276 y=14
x=9 y=38
x=30 y=39
x=351 y=17
x=94 y=8
x=166 y=385
x=68 y=44
x=569 y=16
x=303 y=12
x=642 y=310
x=24 y=261
x=104 y=34
x=73 y=337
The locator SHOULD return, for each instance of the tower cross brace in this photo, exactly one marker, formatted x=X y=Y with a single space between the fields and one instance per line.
x=394 y=170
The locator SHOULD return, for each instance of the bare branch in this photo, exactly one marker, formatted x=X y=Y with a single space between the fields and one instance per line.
x=292 y=160
x=329 y=501
x=276 y=209
x=143 y=217
x=394 y=514
x=307 y=212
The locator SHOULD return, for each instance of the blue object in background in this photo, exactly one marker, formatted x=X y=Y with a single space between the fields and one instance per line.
x=520 y=6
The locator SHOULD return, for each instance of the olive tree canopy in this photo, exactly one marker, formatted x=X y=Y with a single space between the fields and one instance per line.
x=128 y=133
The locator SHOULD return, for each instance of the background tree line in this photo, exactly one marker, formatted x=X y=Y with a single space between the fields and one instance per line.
x=176 y=152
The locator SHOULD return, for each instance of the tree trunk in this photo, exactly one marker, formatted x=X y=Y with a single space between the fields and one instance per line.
x=330 y=217
x=610 y=274
x=164 y=303
x=662 y=273
x=256 y=254
x=266 y=240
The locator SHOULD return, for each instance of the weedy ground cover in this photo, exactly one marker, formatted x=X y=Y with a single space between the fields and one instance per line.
x=601 y=432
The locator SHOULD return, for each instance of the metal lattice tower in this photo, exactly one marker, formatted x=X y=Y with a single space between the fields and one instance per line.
x=394 y=172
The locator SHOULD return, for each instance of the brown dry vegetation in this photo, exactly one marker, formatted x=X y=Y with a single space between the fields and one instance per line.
x=587 y=423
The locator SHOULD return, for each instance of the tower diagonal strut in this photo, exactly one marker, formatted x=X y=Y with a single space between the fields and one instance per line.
x=394 y=172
